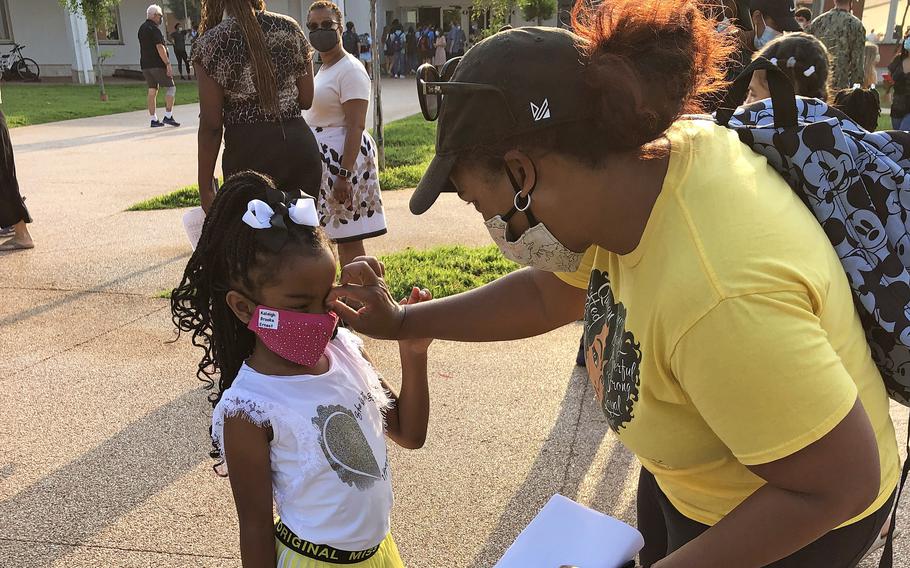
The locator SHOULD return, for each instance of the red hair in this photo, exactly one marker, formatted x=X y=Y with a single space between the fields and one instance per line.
x=648 y=62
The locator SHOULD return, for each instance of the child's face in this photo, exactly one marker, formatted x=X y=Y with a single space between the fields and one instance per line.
x=301 y=285
x=758 y=87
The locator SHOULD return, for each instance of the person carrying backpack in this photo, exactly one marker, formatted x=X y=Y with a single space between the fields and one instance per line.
x=426 y=45
x=395 y=43
x=722 y=340
x=351 y=41
x=411 y=50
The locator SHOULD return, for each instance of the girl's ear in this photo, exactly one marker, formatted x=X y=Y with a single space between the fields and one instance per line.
x=242 y=306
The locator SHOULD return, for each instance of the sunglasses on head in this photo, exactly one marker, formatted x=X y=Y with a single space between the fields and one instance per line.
x=433 y=83
x=323 y=25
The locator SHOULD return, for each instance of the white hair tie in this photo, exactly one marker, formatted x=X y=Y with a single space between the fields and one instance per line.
x=791 y=62
x=773 y=60
x=857 y=86
x=810 y=71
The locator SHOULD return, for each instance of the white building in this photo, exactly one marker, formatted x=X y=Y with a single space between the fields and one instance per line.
x=57 y=40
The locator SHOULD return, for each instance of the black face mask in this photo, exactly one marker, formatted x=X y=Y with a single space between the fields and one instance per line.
x=324 y=40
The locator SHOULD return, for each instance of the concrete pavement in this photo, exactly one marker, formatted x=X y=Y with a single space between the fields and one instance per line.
x=103 y=445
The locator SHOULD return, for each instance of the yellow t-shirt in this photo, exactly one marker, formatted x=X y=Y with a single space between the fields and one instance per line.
x=728 y=337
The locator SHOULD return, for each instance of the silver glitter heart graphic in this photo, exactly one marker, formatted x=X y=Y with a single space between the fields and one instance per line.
x=346 y=447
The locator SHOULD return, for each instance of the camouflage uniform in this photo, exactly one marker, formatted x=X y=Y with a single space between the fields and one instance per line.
x=845 y=37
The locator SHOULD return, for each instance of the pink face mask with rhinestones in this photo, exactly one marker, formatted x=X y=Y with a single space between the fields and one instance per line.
x=298 y=337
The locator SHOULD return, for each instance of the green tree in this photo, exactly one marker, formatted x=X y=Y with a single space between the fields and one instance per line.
x=193 y=9
x=97 y=13
x=539 y=10
x=500 y=13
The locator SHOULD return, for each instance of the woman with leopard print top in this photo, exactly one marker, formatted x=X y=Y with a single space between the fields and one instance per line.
x=255 y=76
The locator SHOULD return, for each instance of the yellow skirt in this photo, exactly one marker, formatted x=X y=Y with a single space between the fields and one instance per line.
x=386 y=557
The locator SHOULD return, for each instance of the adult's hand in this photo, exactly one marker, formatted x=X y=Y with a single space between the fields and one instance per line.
x=380 y=315
x=343 y=191
x=206 y=197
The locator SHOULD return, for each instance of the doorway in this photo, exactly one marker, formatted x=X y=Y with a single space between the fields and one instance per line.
x=429 y=16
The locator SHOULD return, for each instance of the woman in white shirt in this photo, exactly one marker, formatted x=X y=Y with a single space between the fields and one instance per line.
x=350 y=203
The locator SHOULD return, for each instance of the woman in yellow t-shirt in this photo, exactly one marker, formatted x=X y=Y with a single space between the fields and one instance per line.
x=720 y=333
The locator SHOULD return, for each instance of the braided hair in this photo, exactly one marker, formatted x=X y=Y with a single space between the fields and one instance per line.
x=802 y=58
x=244 y=12
x=231 y=255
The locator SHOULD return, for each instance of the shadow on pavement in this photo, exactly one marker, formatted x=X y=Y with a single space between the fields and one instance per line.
x=144 y=134
x=84 y=497
x=585 y=442
x=38 y=310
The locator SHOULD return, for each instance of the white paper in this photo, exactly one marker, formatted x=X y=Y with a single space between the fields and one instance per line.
x=192 y=224
x=566 y=533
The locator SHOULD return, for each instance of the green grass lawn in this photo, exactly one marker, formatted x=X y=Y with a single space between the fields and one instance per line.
x=409 y=147
x=445 y=270
x=26 y=105
x=884 y=122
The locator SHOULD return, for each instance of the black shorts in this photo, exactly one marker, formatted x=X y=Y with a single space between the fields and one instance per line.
x=666 y=530
x=156 y=77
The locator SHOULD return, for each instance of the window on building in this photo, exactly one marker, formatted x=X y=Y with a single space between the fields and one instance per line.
x=109 y=30
x=6 y=30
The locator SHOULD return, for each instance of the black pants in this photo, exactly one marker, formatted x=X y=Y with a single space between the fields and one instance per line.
x=181 y=58
x=12 y=208
x=287 y=153
x=665 y=530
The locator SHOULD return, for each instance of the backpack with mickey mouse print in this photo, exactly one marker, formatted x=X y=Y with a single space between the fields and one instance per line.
x=857 y=184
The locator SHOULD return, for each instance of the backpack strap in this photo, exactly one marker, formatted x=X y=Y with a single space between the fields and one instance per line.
x=782 y=94
x=887 y=560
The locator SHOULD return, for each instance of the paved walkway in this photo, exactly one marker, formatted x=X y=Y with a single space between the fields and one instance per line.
x=103 y=445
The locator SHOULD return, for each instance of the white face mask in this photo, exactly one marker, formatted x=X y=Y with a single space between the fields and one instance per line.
x=536 y=247
x=766 y=36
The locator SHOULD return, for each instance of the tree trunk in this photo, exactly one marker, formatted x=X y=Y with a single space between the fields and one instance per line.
x=97 y=67
x=377 y=88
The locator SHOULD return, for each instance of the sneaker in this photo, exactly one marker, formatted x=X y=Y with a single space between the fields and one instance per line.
x=157 y=124
x=7 y=231
x=171 y=121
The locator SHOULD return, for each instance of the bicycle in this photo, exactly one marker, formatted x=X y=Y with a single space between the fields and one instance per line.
x=14 y=63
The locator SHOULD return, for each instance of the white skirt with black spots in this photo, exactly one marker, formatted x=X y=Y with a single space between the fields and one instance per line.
x=365 y=218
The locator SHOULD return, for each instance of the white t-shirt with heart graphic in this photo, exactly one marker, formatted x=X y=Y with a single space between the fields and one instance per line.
x=330 y=468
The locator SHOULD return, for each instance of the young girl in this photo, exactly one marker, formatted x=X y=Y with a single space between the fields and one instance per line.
x=300 y=413
x=861 y=105
x=803 y=58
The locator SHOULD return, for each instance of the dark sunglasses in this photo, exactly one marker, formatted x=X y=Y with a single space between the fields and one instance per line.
x=325 y=25
x=433 y=83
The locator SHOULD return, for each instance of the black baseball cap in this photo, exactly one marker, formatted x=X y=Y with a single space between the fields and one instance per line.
x=538 y=73
x=782 y=11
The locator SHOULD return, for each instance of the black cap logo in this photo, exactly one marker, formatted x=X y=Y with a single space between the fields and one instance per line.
x=541 y=112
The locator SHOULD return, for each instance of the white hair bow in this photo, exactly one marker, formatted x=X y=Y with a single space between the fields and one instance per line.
x=259 y=214
x=773 y=60
x=810 y=71
x=791 y=62
x=303 y=212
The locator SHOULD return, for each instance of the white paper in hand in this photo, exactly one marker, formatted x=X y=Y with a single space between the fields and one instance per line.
x=192 y=224
x=566 y=533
